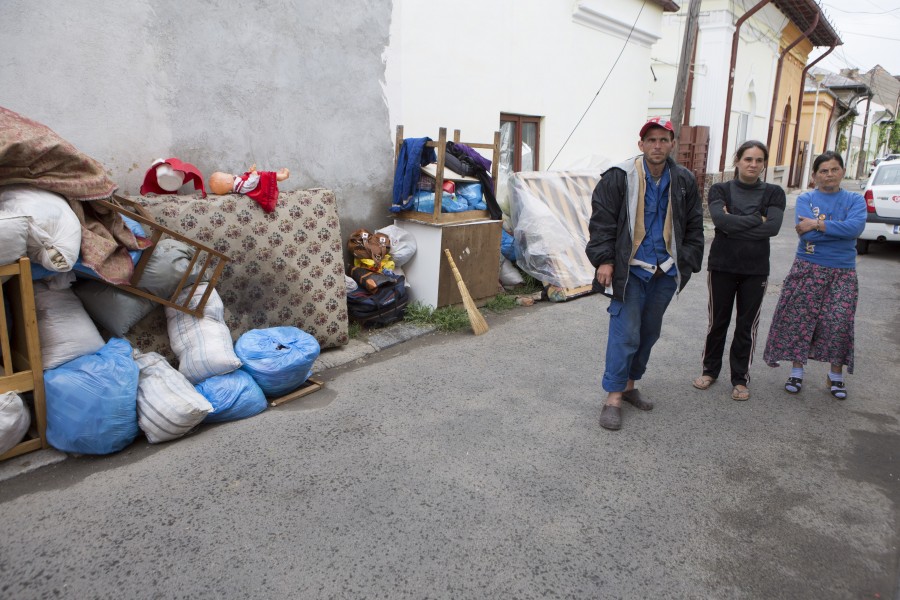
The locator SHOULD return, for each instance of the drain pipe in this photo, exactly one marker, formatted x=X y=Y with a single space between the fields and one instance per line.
x=799 y=112
x=784 y=53
x=734 y=46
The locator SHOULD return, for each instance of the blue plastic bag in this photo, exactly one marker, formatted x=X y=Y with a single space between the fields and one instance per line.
x=92 y=401
x=234 y=396
x=507 y=245
x=280 y=359
x=424 y=202
x=471 y=193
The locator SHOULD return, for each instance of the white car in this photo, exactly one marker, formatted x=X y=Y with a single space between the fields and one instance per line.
x=883 y=205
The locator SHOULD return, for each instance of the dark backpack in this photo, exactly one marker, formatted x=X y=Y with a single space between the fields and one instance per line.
x=385 y=305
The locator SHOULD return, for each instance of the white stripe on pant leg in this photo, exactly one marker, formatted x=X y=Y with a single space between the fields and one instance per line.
x=709 y=318
x=754 y=327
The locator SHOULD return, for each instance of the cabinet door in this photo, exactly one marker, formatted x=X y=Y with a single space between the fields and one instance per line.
x=476 y=250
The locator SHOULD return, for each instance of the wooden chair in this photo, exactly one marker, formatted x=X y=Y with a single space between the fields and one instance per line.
x=20 y=351
x=213 y=261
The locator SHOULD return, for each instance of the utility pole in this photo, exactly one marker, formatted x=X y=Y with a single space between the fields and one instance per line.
x=684 y=64
x=861 y=170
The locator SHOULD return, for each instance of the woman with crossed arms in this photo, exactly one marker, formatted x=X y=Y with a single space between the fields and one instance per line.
x=815 y=315
x=746 y=212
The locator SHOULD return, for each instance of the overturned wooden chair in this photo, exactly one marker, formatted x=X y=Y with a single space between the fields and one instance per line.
x=212 y=261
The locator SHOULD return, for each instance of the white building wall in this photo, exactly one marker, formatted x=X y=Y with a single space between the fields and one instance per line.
x=754 y=71
x=460 y=64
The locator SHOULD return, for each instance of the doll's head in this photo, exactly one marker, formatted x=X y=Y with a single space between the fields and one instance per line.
x=221 y=183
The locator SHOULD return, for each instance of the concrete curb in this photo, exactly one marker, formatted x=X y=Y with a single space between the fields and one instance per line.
x=377 y=340
x=32 y=461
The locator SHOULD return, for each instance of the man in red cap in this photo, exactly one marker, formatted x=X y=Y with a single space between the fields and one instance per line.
x=646 y=239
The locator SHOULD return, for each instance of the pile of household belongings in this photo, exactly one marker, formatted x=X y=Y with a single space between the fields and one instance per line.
x=377 y=291
x=414 y=189
x=99 y=390
x=546 y=231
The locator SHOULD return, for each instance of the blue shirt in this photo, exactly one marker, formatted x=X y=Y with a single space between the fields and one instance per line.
x=844 y=216
x=653 y=247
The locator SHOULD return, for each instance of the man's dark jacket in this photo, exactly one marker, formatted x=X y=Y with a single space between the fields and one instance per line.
x=614 y=203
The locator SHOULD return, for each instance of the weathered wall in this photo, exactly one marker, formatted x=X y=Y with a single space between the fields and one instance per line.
x=218 y=84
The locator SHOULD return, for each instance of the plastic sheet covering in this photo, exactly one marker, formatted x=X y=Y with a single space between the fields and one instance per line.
x=549 y=213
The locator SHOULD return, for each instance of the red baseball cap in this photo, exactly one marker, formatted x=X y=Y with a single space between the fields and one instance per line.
x=661 y=122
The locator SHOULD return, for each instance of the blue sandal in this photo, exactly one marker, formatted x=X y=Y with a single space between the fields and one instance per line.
x=793 y=385
x=837 y=389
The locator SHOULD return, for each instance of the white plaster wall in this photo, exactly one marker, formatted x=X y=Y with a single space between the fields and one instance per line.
x=218 y=84
x=459 y=64
x=754 y=71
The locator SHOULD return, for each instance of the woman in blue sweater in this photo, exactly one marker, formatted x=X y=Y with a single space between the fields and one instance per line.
x=817 y=307
x=747 y=212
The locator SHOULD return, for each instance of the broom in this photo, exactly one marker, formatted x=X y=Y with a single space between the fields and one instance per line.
x=479 y=325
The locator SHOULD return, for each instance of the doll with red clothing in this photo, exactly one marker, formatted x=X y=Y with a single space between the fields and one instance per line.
x=262 y=186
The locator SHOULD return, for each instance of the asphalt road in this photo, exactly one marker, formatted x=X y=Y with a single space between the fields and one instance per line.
x=456 y=466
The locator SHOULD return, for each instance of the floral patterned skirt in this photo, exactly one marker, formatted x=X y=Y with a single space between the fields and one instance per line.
x=815 y=316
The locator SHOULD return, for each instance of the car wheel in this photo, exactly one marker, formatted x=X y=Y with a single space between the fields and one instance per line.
x=862 y=246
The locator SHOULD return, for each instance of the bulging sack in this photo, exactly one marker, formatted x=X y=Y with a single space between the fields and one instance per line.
x=233 y=396
x=203 y=345
x=403 y=244
x=65 y=330
x=54 y=231
x=279 y=359
x=14 y=420
x=92 y=401
x=168 y=406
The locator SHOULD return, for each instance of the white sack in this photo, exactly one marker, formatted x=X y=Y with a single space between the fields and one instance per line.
x=203 y=345
x=13 y=238
x=509 y=274
x=114 y=310
x=403 y=244
x=65 y=330
x=54 y=232
x=14 y=420
x=168 y=405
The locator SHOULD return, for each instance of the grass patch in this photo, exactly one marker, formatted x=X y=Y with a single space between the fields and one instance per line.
x=528 y=286
x=354 y=330
x=448 y=318
x=501 y=302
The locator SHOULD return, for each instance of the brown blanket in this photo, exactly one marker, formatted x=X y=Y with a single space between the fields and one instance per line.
x=33 y=154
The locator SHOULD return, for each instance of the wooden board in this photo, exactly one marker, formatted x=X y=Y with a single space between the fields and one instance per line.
x=449 y=174
x=466 y=216
x=309 y=386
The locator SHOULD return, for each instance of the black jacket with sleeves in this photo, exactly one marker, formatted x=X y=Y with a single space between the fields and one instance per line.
x=611 y=227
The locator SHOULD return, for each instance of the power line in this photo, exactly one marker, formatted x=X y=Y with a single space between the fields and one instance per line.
x=880 y=37
x=862 y=12
x=622 y=51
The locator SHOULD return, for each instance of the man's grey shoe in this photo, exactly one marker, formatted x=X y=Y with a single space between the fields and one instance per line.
x=633 y=397
x=611 y=417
